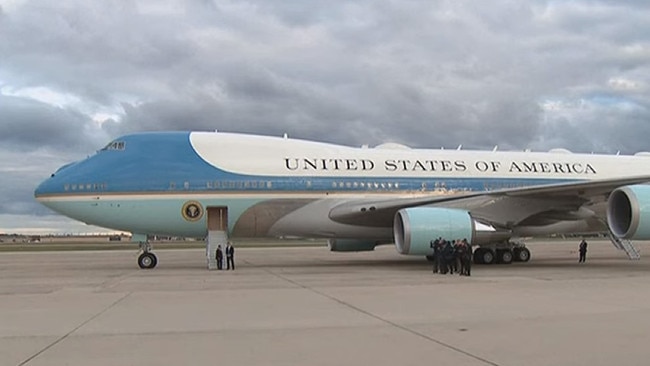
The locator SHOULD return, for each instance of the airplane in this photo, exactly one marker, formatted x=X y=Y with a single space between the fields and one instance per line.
x=194 y=184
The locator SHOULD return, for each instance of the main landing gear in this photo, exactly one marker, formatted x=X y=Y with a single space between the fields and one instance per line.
x=504 y=253
x=146 y=260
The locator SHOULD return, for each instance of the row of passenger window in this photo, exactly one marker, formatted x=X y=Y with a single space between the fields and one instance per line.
x=85 y=187
x=238 y=184
x=232 y=184
x=308 y=184
x=244 y=184
x=364 y=185
x=497 y=186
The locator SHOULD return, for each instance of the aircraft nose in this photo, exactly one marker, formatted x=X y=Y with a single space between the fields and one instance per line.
x=46 y=187
x=51 y=185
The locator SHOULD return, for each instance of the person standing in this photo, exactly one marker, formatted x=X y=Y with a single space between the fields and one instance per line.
x=461 y=256
x=435 y=244
x=219 y=257
x=442 y=261
x=583 y=251
x=230 y=256
x=448 y=254
x=468 y=258
x=458 y=251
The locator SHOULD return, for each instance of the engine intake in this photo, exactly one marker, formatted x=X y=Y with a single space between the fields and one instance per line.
x=628 y=212
x=414 y=228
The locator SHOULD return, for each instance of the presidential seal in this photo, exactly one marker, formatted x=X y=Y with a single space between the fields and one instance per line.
x=192 y=211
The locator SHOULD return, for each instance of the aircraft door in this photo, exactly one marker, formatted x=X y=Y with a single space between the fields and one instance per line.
x=217 y=233
x=218 y=219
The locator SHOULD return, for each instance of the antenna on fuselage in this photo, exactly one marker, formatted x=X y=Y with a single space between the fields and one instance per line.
x=459 y=147
x=495 y=148
x=285 y=136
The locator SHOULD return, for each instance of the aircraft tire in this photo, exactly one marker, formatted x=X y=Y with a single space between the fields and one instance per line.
x=522 y=255
x=147 y=260
x=504 y=256
x=487 y=256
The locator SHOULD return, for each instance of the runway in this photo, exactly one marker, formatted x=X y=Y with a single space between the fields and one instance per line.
x=308 y=306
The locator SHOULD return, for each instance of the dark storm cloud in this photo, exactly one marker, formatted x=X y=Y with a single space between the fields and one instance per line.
x=303 y=67
x=98 y=50
x=28 y=125
x=35 y=139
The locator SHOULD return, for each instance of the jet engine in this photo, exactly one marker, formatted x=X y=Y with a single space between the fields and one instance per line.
x=351 y=245
x=414 y=228
x=628 y=212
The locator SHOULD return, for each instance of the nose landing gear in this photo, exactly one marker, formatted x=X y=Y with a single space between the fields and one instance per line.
x=146 y=260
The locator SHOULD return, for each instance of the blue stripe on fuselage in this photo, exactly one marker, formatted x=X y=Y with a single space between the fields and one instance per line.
x=149 y=162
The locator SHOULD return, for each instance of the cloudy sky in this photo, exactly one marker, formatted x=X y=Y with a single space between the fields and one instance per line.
x=519 y=74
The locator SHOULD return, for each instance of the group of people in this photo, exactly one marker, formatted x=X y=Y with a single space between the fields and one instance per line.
x=452 y=256
x=230 y=256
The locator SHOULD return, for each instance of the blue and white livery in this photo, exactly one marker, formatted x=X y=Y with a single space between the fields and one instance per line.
x=185 y=183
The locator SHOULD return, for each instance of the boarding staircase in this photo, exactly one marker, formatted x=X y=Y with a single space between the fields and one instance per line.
x=625 y=245
x=215 y=238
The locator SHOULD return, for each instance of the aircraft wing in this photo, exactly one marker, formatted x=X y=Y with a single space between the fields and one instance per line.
x=505 y=207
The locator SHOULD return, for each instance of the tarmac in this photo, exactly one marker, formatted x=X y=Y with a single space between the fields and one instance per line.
x=308 y=306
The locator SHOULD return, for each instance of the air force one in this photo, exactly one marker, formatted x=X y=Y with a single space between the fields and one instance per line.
x=194 y=184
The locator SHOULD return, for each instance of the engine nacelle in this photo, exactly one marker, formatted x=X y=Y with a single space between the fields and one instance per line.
x=351 y=245
x=628 y=212
x=414 y=229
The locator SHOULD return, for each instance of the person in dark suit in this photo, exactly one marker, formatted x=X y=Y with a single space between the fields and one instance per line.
x=230 y=256
x=442 y=261
x=467 y=258
x=449 y=255
x=435 y=244
x=219 y=257
x=583 y=251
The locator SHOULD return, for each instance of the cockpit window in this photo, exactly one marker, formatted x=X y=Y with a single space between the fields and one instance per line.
x=115 y=145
